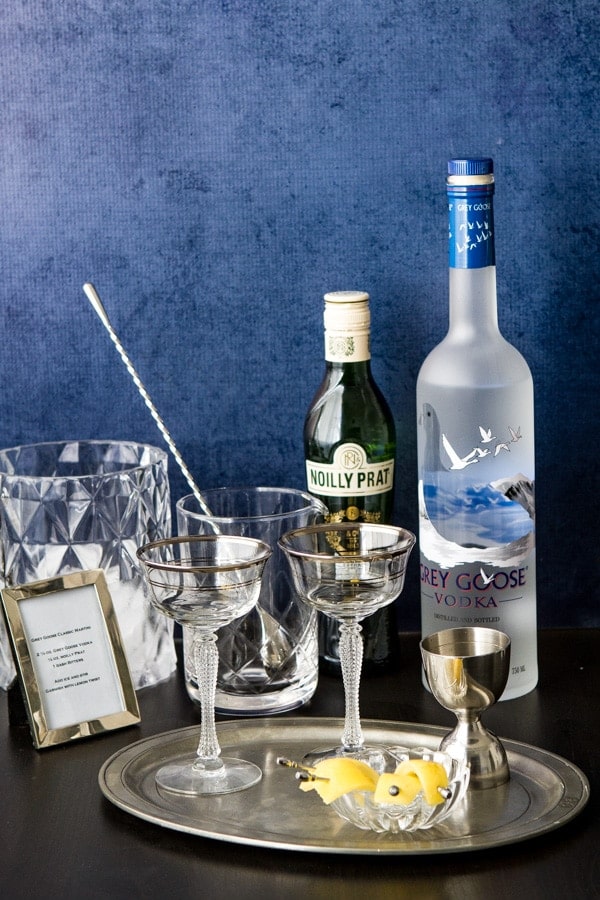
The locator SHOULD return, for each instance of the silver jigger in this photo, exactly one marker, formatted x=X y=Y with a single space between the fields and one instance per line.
x=467 y=670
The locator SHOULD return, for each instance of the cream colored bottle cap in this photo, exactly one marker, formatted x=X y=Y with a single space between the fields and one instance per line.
x=347 y=311
x=346 y=297
x=347 y=321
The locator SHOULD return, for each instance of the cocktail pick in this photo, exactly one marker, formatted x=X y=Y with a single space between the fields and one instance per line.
x=304 y=773
x=92 y=295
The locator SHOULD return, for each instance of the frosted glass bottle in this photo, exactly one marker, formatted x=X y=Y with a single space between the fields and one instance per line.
x=350 y=448
x=476 y=448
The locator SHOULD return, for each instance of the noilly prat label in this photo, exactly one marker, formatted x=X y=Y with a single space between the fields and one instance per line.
x=350 y=474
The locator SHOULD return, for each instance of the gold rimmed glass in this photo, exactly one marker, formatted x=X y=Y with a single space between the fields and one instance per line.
x=348 y=571
x=205 y=581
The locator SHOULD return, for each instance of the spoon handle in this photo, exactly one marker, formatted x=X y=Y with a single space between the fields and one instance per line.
x=92 y=295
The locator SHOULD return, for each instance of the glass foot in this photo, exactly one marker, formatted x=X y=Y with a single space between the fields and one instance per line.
x=192 y=778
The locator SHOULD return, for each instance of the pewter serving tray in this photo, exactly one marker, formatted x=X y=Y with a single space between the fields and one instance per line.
x=544 y=792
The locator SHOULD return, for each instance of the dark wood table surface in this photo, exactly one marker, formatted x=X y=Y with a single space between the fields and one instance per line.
x=59 y=836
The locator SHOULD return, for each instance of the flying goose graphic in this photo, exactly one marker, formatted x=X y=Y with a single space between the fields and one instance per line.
x=500 y=447
x=486 y=435
x=515 y=435
x=457 y=461
x=487 y=579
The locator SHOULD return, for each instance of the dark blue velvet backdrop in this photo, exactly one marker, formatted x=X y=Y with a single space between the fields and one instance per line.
x=215 y=167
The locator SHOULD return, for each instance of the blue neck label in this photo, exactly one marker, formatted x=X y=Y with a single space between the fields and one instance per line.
x=471 y=227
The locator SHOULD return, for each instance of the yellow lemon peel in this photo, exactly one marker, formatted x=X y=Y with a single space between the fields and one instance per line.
x=333 y=777
x=430 y=775
x=393 y=788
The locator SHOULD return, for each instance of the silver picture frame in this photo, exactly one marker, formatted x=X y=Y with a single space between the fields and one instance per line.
x=70 y=660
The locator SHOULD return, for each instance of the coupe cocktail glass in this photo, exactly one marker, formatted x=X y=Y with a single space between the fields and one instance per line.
x=348 y=571
x=205 y=581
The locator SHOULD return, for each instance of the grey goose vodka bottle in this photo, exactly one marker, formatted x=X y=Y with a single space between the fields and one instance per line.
x=476 y=448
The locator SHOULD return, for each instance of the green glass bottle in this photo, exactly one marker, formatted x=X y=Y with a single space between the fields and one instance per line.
x=350 y=448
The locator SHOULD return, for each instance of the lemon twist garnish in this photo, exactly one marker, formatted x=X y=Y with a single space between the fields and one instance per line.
x=335 y=776
x=397 y=789
x=410 y=778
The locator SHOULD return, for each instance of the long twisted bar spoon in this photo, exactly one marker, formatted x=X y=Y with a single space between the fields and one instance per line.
x=275 y=645
x=92 y=295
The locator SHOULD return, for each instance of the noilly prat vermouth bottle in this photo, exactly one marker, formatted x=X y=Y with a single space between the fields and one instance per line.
x=476 y=448
x=350 y=448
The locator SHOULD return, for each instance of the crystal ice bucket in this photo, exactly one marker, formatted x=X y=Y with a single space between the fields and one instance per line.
x=72 y=505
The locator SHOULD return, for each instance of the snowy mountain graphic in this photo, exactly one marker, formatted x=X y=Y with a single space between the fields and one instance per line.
x=466 y=516
x=494 y=522
x=519 y=489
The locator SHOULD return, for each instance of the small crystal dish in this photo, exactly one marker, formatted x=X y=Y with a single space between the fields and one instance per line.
x=359 y=808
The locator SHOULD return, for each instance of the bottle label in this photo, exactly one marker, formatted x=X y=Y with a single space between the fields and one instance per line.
x=343 y=347
x=471 y=227
x=477 y=527
x=476 y=505
x=471 y=588
x=480 y=595
x=350 y=475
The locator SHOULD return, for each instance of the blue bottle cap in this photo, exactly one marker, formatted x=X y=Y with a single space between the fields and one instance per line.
x=474 y=166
